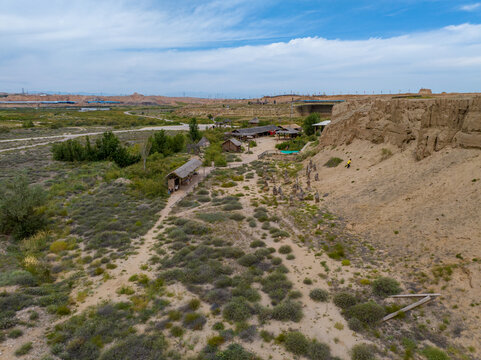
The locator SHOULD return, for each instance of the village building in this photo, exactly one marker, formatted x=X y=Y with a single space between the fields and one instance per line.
x=183 y=175
x=232 y=145
x=254 y=121
x=203 y=143
x=254 y=132
x=289 y=131
x=321 y=125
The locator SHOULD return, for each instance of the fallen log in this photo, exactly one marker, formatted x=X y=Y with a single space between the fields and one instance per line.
x=407 y=308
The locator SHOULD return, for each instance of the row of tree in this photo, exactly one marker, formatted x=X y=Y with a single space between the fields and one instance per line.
x=107 y=147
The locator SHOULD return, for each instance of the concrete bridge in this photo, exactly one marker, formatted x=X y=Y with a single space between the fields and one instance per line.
x=323 y=107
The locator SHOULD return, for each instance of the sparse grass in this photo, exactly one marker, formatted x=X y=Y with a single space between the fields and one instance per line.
x=333 y=162
x=319 y=295
x=363 y=352
x=24 y=349
x=385 y=286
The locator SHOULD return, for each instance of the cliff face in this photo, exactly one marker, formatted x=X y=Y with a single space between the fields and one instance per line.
x=431 y=123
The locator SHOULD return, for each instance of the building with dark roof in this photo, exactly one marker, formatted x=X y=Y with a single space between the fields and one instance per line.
x=232 y=145
x=183 y=174
x=255 y=131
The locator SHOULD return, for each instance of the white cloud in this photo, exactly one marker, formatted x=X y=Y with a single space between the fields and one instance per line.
x=471 y=7
x=119 y=48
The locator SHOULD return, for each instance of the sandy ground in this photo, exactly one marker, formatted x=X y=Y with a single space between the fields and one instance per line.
x=422 y=214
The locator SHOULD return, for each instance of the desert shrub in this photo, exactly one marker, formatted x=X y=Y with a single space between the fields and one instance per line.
x=235 y=352
x=246 y=291
x=355 y=324
x=319 y=295
x=195 y=228
x=276 y=285
x=194 y=304
x=363 y=352
x=24 y=349
x=318 y=351
x=212 y=217
x=176 y=331
x=238 y=309
x=276 y=261
x=294 y=294
x=344 y=300
x=17 y=277
x=285 y=249
x=278 y=233
x=333 y=162
x=203 y=199
x=432 y=353
x=58 y=246
x=247 y=332
x=248 y=260
x=385 y=153
x=137 y=346
x=337 y=253
x=252 y=223
x=194 y=321
x=21 y=213
x=287 y=311
x=261 y=214
x=216 y=341
x=296 y=343
x=306 y=280
x=203 y=192
x=257 y=243
x=368 y=313
x=232 y=206
x=385 y=286
x=15 y=333
x=236 y=217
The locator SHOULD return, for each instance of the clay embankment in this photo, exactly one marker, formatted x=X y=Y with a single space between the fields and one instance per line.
x=431 y=124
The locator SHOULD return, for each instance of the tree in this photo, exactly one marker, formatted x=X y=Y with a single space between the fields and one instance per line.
x=145 y=151
x=309 y=121
x=194 y=133
x=177 y=142
x=160 y=143
x=19 y=208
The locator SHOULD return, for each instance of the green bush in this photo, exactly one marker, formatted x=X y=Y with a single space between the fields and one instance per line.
x=20 y=208
x=287 y=311
x=176 y=331
x=318 y=351
x=333 y=162
x=344 y=300
x=285 y=249
x=355 y=324
x=238 y=309
x=141 y=347
x=432 y=353
x=363 y=352
x=235 y=352
x=368 y=313
x=15 y=333
x=385 y=286
x=257 y=243
x=276 y=285
x=248 y=260
x=319 y=295
x=296 y=343
x=24 y=349
x=194 y=321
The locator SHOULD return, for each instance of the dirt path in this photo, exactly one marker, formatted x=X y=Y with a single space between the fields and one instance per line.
x=125 y=269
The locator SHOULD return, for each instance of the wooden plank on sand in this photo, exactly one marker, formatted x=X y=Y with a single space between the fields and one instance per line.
x=407 y=308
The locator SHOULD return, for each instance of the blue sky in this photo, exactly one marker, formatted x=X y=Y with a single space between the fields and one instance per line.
x=239 y=48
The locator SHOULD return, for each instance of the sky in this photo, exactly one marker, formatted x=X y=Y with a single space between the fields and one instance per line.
x=239 y=48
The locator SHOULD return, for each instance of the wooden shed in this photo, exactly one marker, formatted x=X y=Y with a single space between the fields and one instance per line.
x=182 y=175
x=232 y=145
